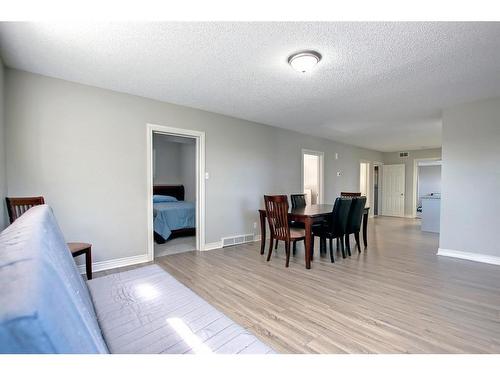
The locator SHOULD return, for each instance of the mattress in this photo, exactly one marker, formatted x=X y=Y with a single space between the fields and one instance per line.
x=169 y=216
x=146 y=310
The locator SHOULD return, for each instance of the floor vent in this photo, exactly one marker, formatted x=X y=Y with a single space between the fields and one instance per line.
x=237 y=240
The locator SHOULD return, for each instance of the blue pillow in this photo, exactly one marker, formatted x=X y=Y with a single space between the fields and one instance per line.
x=163 y=198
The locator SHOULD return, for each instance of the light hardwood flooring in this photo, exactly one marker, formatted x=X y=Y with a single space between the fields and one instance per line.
x=398 y=296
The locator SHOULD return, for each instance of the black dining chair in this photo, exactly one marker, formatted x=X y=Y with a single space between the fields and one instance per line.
x=354 y=222
x=298 y=200
x=335 y=226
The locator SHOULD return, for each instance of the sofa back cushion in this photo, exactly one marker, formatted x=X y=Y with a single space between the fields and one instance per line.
x=45 y=306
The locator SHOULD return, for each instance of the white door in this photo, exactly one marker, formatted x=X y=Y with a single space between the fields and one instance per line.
x=393 y=190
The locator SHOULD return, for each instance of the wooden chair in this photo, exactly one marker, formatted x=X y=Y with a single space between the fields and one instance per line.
x=348 y=194
x=277 y=217
x=335 y=227
x=298 y=201
x=354 y=221
x=18 y=206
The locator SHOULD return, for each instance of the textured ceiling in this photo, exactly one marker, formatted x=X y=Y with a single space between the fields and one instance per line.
x=379 y=85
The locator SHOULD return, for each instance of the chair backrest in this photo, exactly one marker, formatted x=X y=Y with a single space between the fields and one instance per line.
x=348 y=194
x=298 y=200
x=18 y=206
x=277 y=215
x=340 y=215
x=355 y=215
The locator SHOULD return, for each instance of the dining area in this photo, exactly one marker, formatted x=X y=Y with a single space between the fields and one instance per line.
x=296 y=221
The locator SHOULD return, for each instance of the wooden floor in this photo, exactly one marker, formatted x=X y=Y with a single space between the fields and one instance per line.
x=396 y=297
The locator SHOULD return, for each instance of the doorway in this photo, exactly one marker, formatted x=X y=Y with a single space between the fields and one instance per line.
x=393 y=197
x=426 y=182
x=178 y=209
x=364 y=180
x=376 y=189
x=312 y=176
x=431 y=183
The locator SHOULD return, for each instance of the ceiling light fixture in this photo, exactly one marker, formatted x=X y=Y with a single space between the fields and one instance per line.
x=304 y=61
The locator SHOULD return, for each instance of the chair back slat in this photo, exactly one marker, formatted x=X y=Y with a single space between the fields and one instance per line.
x=18 y=206
x=277 y=216
x=298 y=200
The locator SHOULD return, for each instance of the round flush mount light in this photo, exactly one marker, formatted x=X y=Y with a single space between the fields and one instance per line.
x=304 y=61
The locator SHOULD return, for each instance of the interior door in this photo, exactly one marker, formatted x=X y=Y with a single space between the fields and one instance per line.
x=393 y=190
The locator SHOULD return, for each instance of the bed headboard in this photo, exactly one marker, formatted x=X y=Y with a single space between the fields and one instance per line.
x=176 y=191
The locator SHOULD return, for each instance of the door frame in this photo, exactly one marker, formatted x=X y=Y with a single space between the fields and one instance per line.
x=378 y=164
x=200 y=180
x=321 y=156
x=369 y=183
x=385 y=190
x=415 y=182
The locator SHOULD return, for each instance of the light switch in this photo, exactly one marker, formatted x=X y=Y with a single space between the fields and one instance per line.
x=336 y=156
x=339 y=173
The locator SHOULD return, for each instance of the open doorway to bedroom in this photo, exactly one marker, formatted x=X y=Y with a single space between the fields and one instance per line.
x=175 y=208
x=174 y=194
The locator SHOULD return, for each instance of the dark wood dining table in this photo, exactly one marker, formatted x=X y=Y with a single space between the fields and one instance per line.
x=308 y=215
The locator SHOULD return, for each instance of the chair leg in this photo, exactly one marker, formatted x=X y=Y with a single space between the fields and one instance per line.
x=270 y=248
x=276 y=246
x=342 y=247
x=287 y=249
x=356 y=237
x=347 y=245
x=294 y=247
x=331 y=251
x=338 y=244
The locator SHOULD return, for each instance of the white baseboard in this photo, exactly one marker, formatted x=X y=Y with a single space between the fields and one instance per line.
x=257 y=238
x=212 y=246
x=115 y=263
x=129 y=261
x=483 y=258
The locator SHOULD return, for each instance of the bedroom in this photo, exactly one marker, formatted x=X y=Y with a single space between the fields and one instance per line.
x=174 y=194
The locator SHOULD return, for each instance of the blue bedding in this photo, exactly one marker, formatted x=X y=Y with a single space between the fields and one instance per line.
x=169 y=216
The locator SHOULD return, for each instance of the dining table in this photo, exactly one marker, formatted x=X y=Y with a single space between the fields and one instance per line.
x=309 y=215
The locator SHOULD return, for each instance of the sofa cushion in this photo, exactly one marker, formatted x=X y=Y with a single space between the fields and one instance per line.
x=146 y=310
x=45 y=306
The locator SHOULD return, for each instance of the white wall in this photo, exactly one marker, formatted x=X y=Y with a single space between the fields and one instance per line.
x=3 y=176
x=62 y=144
x=188 y=170
x=470 y=203
x=393 y=158
x=429 y=180
x=167 y=166
x=175 y=163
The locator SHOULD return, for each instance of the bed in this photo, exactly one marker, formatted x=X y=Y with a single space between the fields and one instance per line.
x=175 y=218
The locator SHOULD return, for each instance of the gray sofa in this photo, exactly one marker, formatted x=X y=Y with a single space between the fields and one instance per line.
x=46 y=306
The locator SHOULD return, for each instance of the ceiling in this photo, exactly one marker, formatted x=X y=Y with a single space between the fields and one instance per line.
x=379 y=85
